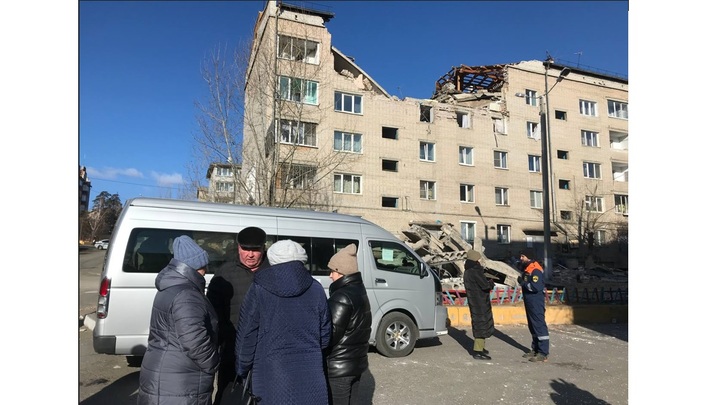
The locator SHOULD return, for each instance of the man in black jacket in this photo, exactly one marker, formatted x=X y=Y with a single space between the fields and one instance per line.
x=226 y=292
x=351 y=322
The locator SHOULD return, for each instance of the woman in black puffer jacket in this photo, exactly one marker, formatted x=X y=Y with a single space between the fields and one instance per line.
x=182 y=355
x=351 y=322
x=478 y=288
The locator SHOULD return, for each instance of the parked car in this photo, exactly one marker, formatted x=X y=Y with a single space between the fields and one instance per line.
x=102 y=244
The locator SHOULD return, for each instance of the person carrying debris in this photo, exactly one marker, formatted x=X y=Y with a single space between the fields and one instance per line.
x=532 y=282
x=478 y=288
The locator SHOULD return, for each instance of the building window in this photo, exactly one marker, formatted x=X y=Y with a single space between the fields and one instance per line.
x=562 y=154
x=621 y=203
x=347 y=184
x=389 y=165
x=426 y=113
x=347 y=142
x=224 y=186
x=534 y=163
x=600 y=237
x=390 y=202
x=593 y=203
x=620 y=171
x=463 y=119
x=533 y=130
x=618 y=140
x=501 y=196
x=535 y=199
x=503 y=234
x=617 y=109
x=427 y=151
x=223 y=171
x=298 y=133
x=531 y=97
x=389 y=133
x=466 y=155
x=500 y=159
x=299 y=90
x=427 y=190
x=467 y=232
x=467 y=193
x=588 y=108
x=589 y=138
x=298 y=177
x=292 y=48
x=564 y=184
x=499 y=126
x=560 y=115
x=350 y=103
x=591 y=170
x=566 y=215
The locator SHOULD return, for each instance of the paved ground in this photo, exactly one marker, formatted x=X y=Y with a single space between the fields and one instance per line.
x=588 y=365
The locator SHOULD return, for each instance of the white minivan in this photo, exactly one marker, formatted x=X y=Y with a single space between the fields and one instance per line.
x=404 y=292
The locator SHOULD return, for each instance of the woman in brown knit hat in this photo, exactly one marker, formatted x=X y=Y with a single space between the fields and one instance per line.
x=351 y=322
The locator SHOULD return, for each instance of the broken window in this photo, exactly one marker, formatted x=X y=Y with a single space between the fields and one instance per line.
x=389 y=133
x=499 y=126
x=533 y=130
x=463 y=119
x=566 y=215
x=425 y=113
x=390 y=202
x=389 y=165
x=292 y=48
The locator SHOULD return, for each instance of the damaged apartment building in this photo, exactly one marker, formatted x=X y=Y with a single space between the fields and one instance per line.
x=320 y=133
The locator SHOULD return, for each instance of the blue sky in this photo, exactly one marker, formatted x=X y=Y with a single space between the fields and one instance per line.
x=139 y=64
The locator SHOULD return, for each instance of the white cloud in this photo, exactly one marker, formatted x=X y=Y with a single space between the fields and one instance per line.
x=167 y=180
x=109 y=173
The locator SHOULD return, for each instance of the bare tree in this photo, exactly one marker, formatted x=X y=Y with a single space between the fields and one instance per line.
x=105 y=212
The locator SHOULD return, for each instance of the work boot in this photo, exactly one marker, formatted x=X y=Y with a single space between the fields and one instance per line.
x=529 y=354
x=481 y=356
x=538 y=358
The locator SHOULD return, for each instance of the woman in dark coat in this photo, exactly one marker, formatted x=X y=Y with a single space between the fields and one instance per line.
x=478 y=288
x=283 y=328
x=182 y=355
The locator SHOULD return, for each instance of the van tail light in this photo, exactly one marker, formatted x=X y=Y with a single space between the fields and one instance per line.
x=103 y=298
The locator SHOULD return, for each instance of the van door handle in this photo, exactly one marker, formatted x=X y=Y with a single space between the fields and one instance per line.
x=380 y=280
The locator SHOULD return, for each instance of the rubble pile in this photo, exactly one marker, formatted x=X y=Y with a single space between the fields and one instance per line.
x=442 y=247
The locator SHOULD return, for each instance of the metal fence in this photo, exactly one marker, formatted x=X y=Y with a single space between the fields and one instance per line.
x=567 y=295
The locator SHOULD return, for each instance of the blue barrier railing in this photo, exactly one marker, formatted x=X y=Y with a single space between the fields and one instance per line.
x=567 y=295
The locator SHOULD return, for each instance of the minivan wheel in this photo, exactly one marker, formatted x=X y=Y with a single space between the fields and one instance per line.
x=396 y=335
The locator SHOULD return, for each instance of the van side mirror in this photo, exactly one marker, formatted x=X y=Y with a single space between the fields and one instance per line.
x=424 y=270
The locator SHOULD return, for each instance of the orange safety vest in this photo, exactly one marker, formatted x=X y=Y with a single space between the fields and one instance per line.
x=533 y=266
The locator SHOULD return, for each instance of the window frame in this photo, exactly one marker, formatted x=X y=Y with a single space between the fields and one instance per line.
x=427 y=148
x=534 y=164
x=428 y=190
x=621 y=203
x=465 y=153
x=287 y=91
x=352 y=179
x=617 y=109
x=308 y=134
x=355 y=142
x=536 y=199
x=502 y=196
x=341 y=97
x=426 y=117
x=500 y=159
x=590 y=138
x=384 y=198
x=298 y=177
x=467 y=231
x=592 y=170
x=469 y=193
x=293 y=55
x=503 y=234
x=532 y=130
x=588 y=108
x=531 y=97
x=463 y=119
x=594 y=203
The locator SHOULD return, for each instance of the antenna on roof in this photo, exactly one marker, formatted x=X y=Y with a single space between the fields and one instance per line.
x=579 y=54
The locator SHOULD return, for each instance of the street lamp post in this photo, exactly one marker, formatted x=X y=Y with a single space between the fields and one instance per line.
x=544 y=138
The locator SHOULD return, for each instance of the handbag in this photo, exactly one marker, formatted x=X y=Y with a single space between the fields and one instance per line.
x=240 y=393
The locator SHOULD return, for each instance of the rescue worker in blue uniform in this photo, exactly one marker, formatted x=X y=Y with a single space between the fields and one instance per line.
x=532 y=282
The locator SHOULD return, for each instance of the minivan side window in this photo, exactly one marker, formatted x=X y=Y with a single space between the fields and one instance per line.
x=319 y=251
x=394 y=257
x=150 y=250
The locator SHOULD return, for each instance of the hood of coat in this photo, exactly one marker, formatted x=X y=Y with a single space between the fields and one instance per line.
x=177 y=273
x=289 y=279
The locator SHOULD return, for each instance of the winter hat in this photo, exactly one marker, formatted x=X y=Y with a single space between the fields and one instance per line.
x=529 y=253
x=473 y=255
x=284 y=251
x=345 y=260
x=251 y=238
x=187 y=251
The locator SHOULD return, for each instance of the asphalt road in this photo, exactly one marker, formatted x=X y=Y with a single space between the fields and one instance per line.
x=587 y=365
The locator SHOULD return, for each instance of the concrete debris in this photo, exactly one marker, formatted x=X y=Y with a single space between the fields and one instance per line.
x=442 y=247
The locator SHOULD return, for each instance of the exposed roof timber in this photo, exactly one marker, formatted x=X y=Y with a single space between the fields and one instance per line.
x=469 y=79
